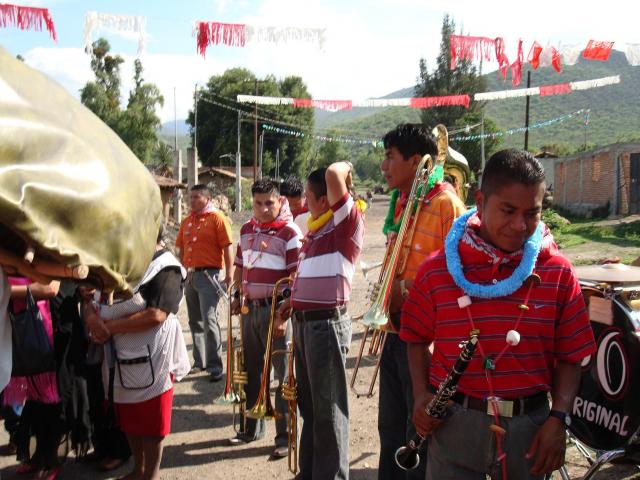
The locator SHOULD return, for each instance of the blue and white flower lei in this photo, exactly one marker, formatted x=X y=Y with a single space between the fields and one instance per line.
x=499 y=289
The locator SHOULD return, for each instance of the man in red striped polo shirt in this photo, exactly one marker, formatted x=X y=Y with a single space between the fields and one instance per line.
x=321 y=327
x=267 y=251
x=533 y=333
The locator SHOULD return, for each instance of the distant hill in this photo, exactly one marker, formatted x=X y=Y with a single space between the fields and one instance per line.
x=167 y=128
x=615 y=110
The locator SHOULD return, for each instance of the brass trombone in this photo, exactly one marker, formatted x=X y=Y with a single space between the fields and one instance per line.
x=263 y=407
x=376 y=318
x=234 y=388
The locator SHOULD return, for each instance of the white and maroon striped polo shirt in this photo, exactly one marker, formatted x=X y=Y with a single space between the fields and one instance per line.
x=328 y=258
x=267 y=255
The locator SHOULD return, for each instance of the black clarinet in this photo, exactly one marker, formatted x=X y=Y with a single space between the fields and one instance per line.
x=407 y=457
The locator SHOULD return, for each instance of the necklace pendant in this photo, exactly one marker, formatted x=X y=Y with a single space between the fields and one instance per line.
x=523 y=307
x=513 y=338
x=264 y=244
x=464 y=301
x=488 y=363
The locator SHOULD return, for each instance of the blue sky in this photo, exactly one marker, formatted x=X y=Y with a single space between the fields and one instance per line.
x=373 y=46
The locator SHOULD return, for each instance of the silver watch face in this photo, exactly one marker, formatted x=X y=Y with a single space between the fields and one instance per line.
x=567 y=420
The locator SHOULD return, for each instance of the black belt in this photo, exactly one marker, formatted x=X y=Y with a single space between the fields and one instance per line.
x=200 y=269
x=324 y=314
x=263 y=302
x=521 y=406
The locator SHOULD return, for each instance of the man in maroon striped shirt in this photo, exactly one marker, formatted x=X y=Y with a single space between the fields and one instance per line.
x=322 y=328
x=267 y=251
x=531 y=341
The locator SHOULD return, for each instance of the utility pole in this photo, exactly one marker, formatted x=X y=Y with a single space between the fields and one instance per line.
x=255 y=136
x=260 y=156
x=195 y=120
x=277 y=163
x=238 y=168
x=526 y=114
x=175 y=122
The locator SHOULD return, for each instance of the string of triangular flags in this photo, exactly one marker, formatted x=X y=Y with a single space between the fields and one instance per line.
x=431 y=102
x=466 y=47
x=376 y=142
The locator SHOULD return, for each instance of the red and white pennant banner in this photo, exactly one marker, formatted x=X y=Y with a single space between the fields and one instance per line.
x=430 y=102
x=27 y=18
x=547 y=90
x=335 y=105
x=239 y=34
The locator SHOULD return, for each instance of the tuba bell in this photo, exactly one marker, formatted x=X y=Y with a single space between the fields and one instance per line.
x=456 y=167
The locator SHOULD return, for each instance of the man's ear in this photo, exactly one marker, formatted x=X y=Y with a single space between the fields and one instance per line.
x=480 y=198
x=415 y=160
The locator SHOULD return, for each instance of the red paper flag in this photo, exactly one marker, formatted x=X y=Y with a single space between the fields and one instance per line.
x=597 y=50
x=516 y=67
x=555 y=60
x=27 y=18
x=501 y=57
x=534 y=55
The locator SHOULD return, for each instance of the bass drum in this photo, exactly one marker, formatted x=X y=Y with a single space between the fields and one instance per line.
x=606 y=411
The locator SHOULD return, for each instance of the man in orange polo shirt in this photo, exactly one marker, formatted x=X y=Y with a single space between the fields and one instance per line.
x=204 y=243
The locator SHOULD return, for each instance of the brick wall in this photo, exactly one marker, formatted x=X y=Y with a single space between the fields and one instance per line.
x=588 y=180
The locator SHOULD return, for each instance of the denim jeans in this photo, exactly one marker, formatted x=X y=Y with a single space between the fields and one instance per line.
x=395 y=411
x=463 y=447
x=321 y=348
x=255 y=326
x=202 y=303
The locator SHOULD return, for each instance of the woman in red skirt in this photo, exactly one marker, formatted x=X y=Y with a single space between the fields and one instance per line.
x=145 y=351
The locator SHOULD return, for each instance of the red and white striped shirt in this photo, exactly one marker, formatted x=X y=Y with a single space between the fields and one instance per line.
x=327 y=259
x=555 y=328
x=266 y=255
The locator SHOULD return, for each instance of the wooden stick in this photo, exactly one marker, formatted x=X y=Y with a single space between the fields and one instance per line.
x=41 y=270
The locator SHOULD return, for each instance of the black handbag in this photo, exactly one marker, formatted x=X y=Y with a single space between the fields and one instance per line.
x=32 y=352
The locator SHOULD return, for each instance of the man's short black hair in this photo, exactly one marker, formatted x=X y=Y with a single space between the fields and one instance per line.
x=291 y=187
x=510 y=166
x=318 y=182
x=202 y=188
x=265 y=185
x=411 y=139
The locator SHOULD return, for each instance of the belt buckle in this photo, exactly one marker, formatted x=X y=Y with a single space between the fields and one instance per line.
x=504 y=408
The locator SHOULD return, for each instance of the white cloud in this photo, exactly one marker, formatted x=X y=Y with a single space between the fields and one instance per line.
x=372 y=46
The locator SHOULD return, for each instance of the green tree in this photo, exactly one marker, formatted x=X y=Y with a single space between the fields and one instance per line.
x=367 y=164
x=139 y=123
x=444 y=81
x=217 y=125
x=102 y=96
x=329 y=152
x=162 y=154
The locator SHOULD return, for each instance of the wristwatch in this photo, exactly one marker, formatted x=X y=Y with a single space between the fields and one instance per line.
x=562 y=416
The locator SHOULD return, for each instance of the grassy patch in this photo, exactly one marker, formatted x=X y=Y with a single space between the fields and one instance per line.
x=580 y=231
